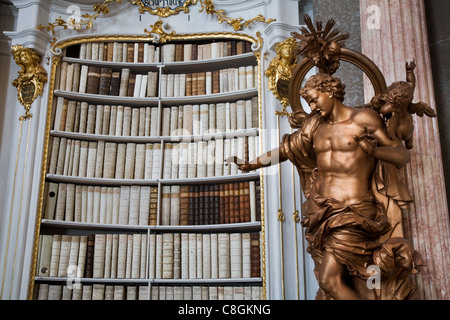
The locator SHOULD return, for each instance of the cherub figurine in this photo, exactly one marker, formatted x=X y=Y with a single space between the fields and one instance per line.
x=397 y=108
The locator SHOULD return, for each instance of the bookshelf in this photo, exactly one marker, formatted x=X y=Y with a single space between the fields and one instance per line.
x=138 y=203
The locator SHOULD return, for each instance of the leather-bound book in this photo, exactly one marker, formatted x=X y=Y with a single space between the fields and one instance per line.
x=93 y=80
x=105 y=81
x=255 y=255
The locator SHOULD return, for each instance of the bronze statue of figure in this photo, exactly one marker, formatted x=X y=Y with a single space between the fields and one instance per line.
x=340 y=153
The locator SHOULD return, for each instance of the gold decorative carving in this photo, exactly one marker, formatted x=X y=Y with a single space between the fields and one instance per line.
x=32 y=77
x=160 y=35
x=280 y=69
x=238 y=23
x=164 y=11
x=87 y=22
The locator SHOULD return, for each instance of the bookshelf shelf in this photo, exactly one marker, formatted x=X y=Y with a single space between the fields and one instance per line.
x=133 y=164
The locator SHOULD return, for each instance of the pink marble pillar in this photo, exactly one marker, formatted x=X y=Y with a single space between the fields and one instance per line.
x=393 y=32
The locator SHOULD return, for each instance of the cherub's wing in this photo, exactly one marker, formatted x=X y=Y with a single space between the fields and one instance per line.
x=421 y=108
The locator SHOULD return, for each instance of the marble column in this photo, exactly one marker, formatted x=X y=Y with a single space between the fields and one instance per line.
x=393 y=32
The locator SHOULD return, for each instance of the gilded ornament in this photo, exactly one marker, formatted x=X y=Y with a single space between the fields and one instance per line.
x=280 y=69
x=32 y=76
x=161 y=9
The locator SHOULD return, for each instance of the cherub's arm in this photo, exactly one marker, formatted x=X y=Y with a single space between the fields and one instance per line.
x=410 y=76
x=376 y=142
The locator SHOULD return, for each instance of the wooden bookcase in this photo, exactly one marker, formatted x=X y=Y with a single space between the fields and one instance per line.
x=138 y=203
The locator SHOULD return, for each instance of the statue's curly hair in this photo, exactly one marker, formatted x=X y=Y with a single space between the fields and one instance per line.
x=325 y=83
x=400 y=92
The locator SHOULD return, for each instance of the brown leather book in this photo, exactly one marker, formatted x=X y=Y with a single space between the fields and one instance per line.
x=194 y=83
x=89 y=264
x=201 y=83
x=216 y=81
x=215 y=205
x=179 y=52
x=255 y=255
x=115 y=84
x=194 y=51
x=258 y=200
x=236 y=214
x=141 y=52
x=188 y=86
x=191 y=205
x=207 y=204
x=153 y=214
x=130 y=52
x=131 y=85
x=109 y=51
x=184 y=205
x=228 y=204
x=93 y=80
x=222 y=203
x=105 y=81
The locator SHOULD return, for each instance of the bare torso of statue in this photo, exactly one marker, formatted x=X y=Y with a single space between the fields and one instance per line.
x=343 y=167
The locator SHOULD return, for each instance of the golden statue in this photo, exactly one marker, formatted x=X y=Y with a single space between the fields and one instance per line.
x=280 y=69
x=32 y=76
x=348 y=160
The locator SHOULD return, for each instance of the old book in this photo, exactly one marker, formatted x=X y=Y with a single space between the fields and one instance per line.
x=174 y=205
x=129 y=257
x=255 y=256
x=236 y=255
x=163 y=85
x=135 y=194
x=139 y=161
x=99 y=255
x=158 y=256
x=130 y=158
x=124 y=204
x=152 y=256
x=93 y=80
x=89 y=263
x=45 y=255
x=188 y=84
x=91 y=159
x=165 y=206
x=91 y=119
x=70 y=202
x=214 y=256
x=246 y=255
x=206 y=256
x=144 y=206
x=122 y=256
x=170 y=85
x=156 y=170
x=223 y=243
x=143 y=257
x=152 y=84
x=61 y=202
x=131 y=85
x=167 y=255
x=184 y=205
x=105 y=80
x=136 y=257
x=51 y=194
x=153 y=215
x=184 y=251
x=192 y=256
x=137 y=86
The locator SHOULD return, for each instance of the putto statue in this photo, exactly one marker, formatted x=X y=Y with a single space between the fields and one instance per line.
x=348 y=159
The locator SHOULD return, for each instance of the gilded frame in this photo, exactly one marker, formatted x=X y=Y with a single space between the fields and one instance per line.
x=164 y=11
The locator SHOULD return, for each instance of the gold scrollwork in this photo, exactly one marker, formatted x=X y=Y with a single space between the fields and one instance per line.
x=164 y=11
x=87 y=22
x=237 y=24
x=160 y=35
x=32 y=77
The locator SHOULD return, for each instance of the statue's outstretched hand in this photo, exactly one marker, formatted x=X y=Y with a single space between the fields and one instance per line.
x=241 y=164
x=367 y=142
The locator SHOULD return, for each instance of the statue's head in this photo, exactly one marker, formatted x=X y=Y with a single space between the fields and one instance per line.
x=325 y=83
x=400 y=93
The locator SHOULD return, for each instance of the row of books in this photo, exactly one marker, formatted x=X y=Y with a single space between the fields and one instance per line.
x=190 y=119
x=111 y=160
x=144 y=52
x=209 y=82
x=75 y=77
x=177 y=52
x=224 y=203
x=100 y=291
x=126 y=205
x=150 y=256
